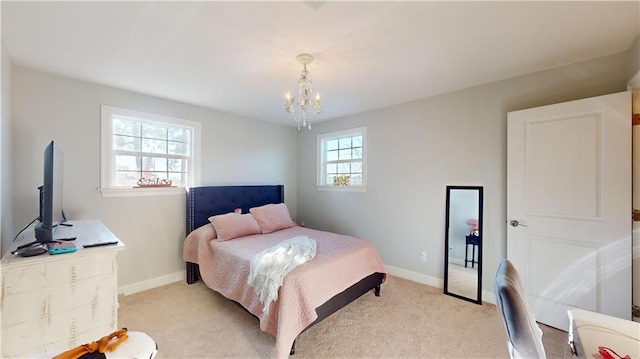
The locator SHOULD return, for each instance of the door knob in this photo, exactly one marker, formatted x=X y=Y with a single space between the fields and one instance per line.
x=515 y=223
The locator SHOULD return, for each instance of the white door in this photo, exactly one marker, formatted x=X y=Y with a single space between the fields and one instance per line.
x=569 y=188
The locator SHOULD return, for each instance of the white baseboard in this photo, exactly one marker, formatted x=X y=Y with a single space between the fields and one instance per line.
x=151 y=283
x=487 y=296
x=416 y=277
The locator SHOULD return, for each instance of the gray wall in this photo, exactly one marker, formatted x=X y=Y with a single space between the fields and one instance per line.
x=234 y=151
x=416 y=149
x=6 y=162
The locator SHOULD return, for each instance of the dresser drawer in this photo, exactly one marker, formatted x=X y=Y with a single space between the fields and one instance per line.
x=73 y=325
x=23 y=279
x=24 y=338
x=65 y=297
x=79 y=268
x=24 y=307
x=57 y=271
x=39 y=303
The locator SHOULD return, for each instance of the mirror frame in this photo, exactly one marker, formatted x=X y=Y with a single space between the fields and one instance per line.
x=478 y=298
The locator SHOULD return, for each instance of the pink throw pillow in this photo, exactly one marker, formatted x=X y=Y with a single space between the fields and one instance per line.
x=234 y=225
x=272 y=217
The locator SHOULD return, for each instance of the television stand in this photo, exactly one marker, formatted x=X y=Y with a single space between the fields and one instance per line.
x=56 y=302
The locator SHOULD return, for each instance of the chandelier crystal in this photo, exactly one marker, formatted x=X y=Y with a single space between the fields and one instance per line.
x=304 y=107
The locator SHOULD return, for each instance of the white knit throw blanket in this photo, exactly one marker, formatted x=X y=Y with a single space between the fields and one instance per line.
x=269 y=267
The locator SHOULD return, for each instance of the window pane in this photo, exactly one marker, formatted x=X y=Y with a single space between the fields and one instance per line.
x=344 y=168
x=357 y=152
x=177 y=165
x=355 y=180
x=152 y=130
x=154 y=174
x=356 y=167
x=127 y=163
x=344 y=154
x=332 y=145
x=178 y=179
x=126 y=143
x=179 y=134
x=329 y=180
x=332 y=156
x=357 y=141
x=345 y=142
x=178 y=148
x=332 y=168
x=154 y=163
x=127 y=178
x=123 y=126
x=154 y=146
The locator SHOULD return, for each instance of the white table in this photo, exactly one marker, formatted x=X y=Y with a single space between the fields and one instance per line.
x=590 y=330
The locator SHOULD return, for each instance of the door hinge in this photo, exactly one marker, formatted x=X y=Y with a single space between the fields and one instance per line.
x=635 y=214
x=635 y=119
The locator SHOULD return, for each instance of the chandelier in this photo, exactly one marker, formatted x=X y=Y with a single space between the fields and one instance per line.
x=304 y=107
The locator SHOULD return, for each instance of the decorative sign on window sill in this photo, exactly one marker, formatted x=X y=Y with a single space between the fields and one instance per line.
x=341 y=180
x=153 y=182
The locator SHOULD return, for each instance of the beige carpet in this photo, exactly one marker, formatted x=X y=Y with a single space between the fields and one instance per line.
x=409 y=320
x=463 y=281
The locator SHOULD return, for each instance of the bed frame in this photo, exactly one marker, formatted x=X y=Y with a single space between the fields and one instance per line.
x=203 y=202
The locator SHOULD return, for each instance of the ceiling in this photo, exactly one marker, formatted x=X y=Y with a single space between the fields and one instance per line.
x=239 y=57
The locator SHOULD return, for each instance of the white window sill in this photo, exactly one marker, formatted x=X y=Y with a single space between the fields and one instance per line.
x=141 y=192
x=342 y=188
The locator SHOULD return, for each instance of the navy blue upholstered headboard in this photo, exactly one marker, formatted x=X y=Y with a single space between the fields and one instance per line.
x=204 y=202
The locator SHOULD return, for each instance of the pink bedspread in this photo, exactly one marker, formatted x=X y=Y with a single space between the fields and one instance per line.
x=340 y=262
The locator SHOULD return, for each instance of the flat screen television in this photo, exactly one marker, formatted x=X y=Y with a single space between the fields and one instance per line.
x=51 y=214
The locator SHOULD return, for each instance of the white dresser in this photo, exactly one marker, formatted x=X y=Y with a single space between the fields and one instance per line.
x=55 y=302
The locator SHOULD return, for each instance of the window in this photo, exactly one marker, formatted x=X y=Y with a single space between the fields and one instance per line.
x=142 y=146
x=342 y=160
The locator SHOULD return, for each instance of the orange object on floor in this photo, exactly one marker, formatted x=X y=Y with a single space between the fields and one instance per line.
x=102 y=345
x=120 y=344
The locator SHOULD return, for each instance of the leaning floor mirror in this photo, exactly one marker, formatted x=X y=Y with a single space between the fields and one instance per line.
x=463 y=243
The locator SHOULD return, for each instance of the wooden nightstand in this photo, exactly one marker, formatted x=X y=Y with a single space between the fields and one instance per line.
x=473 y=241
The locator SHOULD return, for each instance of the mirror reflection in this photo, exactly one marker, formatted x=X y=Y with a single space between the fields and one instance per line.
x=463 y=243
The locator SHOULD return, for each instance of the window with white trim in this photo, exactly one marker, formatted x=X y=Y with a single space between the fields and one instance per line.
x=342 y=160
x=147 y=154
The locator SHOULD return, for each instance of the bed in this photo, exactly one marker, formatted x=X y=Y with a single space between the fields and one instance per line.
x=309 y=293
